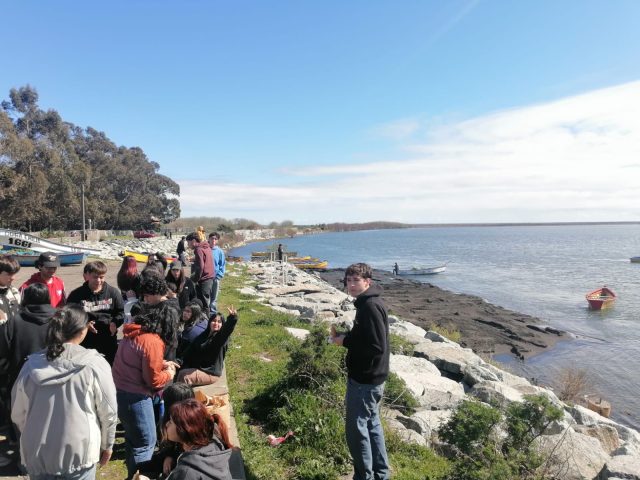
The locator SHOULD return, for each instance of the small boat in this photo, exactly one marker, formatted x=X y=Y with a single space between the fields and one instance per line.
x=635 y=259
x=601 y=298
x=271 y=255
x=28 y=258
x=598 y=405
x=421 y=271
x=312 y=265
x=143 y=257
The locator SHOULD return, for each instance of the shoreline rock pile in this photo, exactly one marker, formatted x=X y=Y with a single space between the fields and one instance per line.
x=441 y=374
x=109 y=249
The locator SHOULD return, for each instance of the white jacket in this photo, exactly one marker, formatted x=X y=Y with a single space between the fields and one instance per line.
x=66 y=410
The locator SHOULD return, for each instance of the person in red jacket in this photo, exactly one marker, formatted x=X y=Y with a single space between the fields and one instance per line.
x=202 y=270
x=47 y=265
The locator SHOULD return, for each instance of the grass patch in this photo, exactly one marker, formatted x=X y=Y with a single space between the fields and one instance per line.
x=302 y=389
x=451 y=334
x=400 y=346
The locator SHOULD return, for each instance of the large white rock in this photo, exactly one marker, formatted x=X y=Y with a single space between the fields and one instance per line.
x=448 y=357
x=299 y=333
x=424 y=381
x=326 y=297
x=621 y=467
x=496 y=393
x=572 y=456
x=405 y=329
x=431 y=420
x=287 y=290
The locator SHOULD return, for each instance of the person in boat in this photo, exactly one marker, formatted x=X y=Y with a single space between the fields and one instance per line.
x=202 y=270
x=219 y=264
x=367 y=364
x=64 y=403
x=204 y=440
x=202 y=362
x=47 y=265
x=186 y=288
x=105 y=307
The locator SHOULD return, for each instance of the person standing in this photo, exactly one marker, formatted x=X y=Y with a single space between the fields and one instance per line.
x=219 y=265
x=181 y=250
x=280 y=252
x=64 y=404
x=104 y=305
x=47 y=265
x=202 y=270
x=367 y=369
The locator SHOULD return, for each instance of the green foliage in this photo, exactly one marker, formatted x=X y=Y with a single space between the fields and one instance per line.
x=44 y=161
x=398 y=396
x=398 y=345
x=451 y=334
x=483 y=454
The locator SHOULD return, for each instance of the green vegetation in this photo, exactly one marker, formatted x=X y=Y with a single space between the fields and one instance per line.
x=452 y=334
x=400 y=346
x=484 y=453
x=44 y=160
x=278 y=384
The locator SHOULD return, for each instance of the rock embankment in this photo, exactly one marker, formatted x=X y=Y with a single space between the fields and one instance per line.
x=441 y=373
x=109 y=249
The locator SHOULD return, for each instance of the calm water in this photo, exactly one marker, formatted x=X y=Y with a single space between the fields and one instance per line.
x=543 y=271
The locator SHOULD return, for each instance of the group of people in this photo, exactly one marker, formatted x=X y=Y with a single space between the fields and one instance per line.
x=72 y=365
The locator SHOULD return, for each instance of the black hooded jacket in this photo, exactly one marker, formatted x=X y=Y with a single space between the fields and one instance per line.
x=207 y=351
x=368 y=341
x=25 y=334
x=208 y=462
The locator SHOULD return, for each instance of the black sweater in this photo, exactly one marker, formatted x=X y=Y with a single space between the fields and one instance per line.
x=368 y=341
x=207 y=351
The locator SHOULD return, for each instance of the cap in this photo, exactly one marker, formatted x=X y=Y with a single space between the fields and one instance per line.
x=48 y=259
x=176 y=265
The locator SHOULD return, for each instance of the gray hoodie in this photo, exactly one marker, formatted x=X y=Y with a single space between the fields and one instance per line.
x=208 y=462
x=66 y=410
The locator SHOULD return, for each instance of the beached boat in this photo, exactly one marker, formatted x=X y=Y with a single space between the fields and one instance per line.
x=598 y=405
x=28 y=258
x=635 y=259
x=601 y=298
x=20 y=240
x=312 y=265
x=421 y=271
x=143 y=257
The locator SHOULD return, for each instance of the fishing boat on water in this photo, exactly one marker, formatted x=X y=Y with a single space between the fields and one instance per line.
x=28 y=258
x=635 y=259
x=420 y=270
x=601 y=298
x=313 y=264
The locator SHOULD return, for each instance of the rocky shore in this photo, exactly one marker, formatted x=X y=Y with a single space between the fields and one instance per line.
x=441 y=373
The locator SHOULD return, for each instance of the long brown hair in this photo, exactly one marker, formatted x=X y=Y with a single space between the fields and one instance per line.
x=194 y=425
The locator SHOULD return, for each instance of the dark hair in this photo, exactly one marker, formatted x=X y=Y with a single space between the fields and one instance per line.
x=196 y=311
x=171 y=286
x=192 y=236
x=95 y=267
x=215 y=234
x=179 y=281
x=36 y=294
x=9 y=264
x=128 y=277
x=154 y=285
x=162 y=258
x=173 y=394
x=361 y=269
x=161 y=319
x=194 y=425
x=66 y=324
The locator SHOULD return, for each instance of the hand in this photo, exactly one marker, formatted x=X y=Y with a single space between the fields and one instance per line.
x=231 y=310
x=130 y=294
x=167 y=465
x=105 y=455
x=92 y=326
x=166 y=364
x=113 y=328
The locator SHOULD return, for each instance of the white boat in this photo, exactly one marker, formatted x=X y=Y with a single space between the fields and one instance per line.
x=421 y=270
x=16 y=239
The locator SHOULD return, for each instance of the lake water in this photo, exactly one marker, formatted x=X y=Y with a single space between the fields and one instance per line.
x=544 y=271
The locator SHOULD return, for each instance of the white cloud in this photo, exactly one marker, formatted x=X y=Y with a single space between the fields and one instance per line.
x=574 y=159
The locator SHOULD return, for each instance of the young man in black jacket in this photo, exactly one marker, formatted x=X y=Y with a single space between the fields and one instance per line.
x=104 y=305
x=367 y=369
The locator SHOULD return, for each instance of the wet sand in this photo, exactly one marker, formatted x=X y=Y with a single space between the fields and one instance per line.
x=487 y=329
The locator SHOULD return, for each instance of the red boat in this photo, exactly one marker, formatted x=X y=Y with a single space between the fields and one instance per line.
x=601 y=298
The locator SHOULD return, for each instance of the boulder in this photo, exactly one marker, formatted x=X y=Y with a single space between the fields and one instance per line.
x=299 y=333
x=324 y=297
x=621 y=467
x=407 y=435
x=288 y=290
x=495 y=393
x=306 y=309
x=448 y=357
x=572 y=456
x=405 y=329
x=607 y=435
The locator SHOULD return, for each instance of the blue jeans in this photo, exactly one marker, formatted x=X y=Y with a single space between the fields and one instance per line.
x=213 y=302
x=363 y=428
x=135 y=411
x=86 y=474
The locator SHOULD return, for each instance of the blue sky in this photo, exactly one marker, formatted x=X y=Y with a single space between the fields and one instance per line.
x=416 y=111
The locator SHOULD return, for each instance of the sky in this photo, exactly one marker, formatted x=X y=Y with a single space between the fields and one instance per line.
x=429 y=111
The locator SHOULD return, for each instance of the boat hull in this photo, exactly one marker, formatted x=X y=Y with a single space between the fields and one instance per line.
x=29 y=260
x=601 y=298
x=635 y=259
x=423 y=271
x=143 y=257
